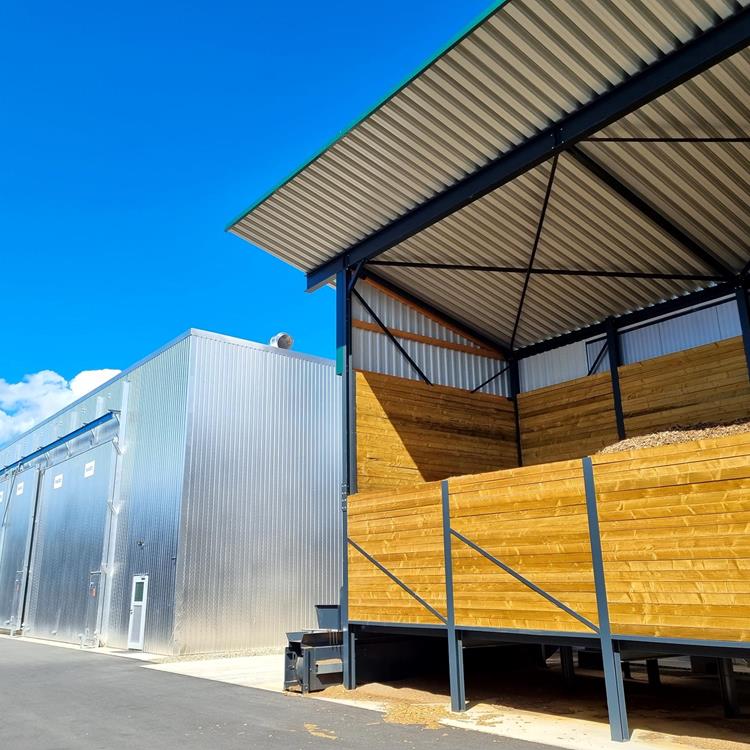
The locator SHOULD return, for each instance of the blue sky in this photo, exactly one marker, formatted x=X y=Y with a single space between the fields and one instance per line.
x=132 y=133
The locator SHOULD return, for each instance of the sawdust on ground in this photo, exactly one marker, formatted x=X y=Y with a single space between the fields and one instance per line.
x=402 y=705
x=680 y=434
x=675 y=724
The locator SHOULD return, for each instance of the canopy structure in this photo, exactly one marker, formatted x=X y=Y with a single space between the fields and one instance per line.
x=559 y=164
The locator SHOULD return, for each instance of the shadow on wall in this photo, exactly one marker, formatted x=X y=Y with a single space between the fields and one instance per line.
x=409 y=432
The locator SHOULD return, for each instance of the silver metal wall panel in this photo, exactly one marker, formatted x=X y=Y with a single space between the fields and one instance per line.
x=17 y=499
x=555 y=366
x=150 y=494
x=698 y=327
x=260 y=528
x=71 y=522
x=396 y=314
x=375 y=352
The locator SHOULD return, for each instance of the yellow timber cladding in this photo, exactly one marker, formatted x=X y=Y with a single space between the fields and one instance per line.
x=673 y=527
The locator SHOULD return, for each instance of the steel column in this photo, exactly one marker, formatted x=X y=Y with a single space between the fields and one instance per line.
x=348 y=478
x=515 y=389
x=352 y=659
x=455 y=643
x=652 y=670
x=613 y=351
x=728 y=686
x=568 y=668
x=744 y=312
x=618 y=717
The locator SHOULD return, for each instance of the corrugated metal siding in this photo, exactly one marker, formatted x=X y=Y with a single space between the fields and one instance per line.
x=68 y=543
x=555 y=366
x=260 y=529
x=681 y=332
x=374 y=352
x=151 y=494
x=520 y=70
x=17 y=497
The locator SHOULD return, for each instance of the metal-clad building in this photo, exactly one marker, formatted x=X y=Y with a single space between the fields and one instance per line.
x=187 y=506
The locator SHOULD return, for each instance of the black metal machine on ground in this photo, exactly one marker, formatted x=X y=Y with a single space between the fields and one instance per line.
x=313 y=658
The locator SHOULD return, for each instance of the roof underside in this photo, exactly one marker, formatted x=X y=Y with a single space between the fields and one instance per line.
x=657 y=203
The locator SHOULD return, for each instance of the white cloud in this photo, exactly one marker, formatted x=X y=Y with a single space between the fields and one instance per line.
x=38 y=396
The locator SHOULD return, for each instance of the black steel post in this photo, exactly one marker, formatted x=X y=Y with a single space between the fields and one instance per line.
x=742 y=308
x=613 y=351
x=728 y=686
x=614 y=685
x=652 y=671
x=568 y=668
x=348 y=475
x=455 y=644
x=515 y=389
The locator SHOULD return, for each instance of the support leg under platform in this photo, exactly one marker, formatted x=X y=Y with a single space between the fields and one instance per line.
x=652 y=670
x=615 y=687
x=568 y=669
x=728 y=685
x=456 y=669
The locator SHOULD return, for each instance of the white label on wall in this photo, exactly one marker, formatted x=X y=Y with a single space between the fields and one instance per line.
x=57 y=481
x=89 y=469
x=19 y=489
x=2 y=496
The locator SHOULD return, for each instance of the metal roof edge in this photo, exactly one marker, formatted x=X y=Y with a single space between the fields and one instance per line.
x=122 y=374
x=457 y=39
x=247 y=344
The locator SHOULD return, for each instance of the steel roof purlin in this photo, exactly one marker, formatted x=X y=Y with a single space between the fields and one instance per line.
x=684 y=63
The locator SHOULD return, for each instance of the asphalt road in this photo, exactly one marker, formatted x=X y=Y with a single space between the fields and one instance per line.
x=64 y=699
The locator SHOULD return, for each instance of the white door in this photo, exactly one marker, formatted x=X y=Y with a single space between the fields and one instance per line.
x=138 y=598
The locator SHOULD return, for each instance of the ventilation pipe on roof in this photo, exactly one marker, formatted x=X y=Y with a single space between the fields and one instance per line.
x=282 y=341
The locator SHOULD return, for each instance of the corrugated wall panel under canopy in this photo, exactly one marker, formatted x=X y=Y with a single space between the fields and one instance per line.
x=654 y=205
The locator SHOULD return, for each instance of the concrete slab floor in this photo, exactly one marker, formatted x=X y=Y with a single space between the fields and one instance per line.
x=72 y=699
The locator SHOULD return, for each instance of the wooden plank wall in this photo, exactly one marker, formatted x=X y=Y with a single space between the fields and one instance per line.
x=567 y=420
x=403 y=531
x=675 y=532
x=534 y=520
x=706 y=384
x=675 y=527
x=409 y=431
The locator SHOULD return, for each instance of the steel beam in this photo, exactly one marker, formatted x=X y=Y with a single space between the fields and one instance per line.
x=398 y=581
x=744 y=313
x=534 y=248
x=455 y=644
x=490 y=379
x=618 y=717
x=703 y=254
x=574 y=272
x=613 y=350
x=675 y=305
x=460 y=326
x=685 y=62
x=668 y=139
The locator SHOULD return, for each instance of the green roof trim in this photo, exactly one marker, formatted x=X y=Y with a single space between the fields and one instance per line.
x=472 y=26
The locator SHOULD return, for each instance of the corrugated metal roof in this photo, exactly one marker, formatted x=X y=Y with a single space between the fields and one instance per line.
x=523 y=68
